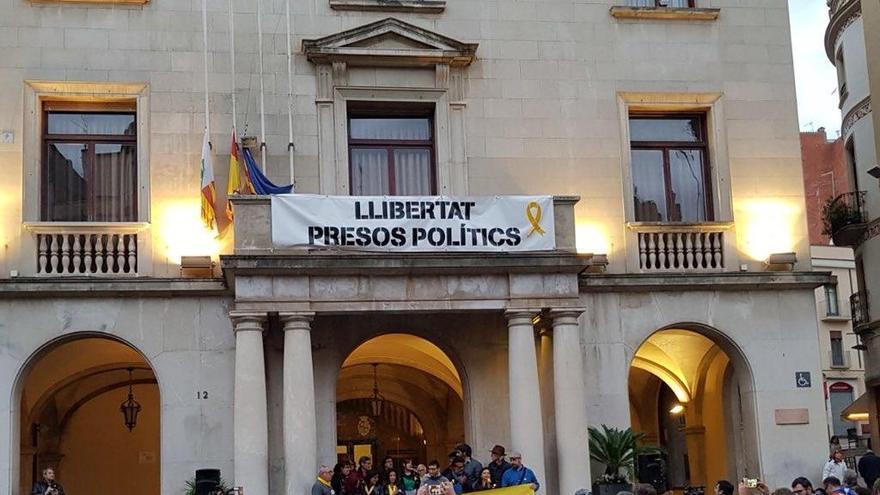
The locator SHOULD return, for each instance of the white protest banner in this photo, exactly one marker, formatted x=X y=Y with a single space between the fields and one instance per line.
x=414 y=223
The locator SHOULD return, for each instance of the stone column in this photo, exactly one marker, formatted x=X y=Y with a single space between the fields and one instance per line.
x=526 y=425
x=250 y=416
x=300 y=430
x=570 y=403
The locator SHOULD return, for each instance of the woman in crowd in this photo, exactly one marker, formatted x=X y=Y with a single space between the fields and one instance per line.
x=409 y=479
x=371 y=484
x=485 y=481
x=340 y=471
x=391 y=486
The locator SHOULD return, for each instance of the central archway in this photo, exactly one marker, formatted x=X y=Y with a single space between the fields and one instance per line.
x=401 y=396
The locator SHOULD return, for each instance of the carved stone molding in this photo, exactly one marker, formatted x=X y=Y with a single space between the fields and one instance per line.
x=857 y=113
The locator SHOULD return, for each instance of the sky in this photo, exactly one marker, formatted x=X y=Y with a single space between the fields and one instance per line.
x=815 y=77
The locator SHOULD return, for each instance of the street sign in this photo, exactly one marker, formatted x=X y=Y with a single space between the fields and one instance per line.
x=802 y=379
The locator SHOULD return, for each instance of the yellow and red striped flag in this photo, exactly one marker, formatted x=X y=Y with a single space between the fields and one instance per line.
x=209 y=191
x=239 y=181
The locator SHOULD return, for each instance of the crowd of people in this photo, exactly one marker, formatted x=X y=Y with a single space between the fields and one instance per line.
x=463 y=474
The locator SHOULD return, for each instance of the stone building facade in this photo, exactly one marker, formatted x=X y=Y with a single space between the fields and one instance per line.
x=679 y=298
x=852 y=45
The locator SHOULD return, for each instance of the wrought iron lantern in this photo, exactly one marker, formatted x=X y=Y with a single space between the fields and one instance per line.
x=376 y=401
x=130 y=408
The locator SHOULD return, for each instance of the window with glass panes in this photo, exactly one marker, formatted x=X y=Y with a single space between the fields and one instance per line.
x=89 y=164
x=831 y=306
x=836 y=348
x=391 y=154
x=670 y=168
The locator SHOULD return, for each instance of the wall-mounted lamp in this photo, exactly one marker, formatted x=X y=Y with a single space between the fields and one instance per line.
x=677 y=409
x=780 y=262
x=196 y=267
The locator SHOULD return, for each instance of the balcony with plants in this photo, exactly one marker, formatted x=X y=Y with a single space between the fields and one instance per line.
x=845 y=218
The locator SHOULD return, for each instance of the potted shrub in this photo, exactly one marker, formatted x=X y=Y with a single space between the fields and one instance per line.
x=837 y=215
x=617 y=450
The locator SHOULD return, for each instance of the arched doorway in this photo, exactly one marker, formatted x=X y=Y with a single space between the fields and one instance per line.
x=690 y=392
x=70 y=418
x=398 y=395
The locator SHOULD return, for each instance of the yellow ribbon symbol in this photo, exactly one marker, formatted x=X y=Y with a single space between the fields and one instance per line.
x=533 y=212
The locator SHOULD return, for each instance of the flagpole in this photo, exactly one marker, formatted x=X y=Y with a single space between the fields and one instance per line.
x=232 y=59
x=262 y=96
x=205 y=52
x=290 y=147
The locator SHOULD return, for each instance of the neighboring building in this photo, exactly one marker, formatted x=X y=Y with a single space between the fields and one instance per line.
x=851 y=41
x=825 y=177
x=669 y=285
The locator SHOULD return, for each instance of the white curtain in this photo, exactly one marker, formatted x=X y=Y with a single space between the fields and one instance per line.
x=113 y=188
x=412 y=172
x=369 y=172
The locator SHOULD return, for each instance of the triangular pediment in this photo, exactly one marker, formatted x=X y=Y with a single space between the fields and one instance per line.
x=389 y=42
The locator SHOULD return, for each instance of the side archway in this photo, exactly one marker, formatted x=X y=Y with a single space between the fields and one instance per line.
x=691 y=392
x=68 y=399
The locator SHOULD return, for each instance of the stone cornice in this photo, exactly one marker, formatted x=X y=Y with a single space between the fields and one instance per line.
x=39 y=287
x=703 y=281
x=411 y=6
x=843 y=14
x=859 y=111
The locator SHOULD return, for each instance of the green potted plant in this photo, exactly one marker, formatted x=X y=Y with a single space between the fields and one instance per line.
x=617 y=450
x=837 y=215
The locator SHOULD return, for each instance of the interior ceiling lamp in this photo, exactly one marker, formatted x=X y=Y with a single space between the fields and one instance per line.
x=130 y=408
x=376 y=401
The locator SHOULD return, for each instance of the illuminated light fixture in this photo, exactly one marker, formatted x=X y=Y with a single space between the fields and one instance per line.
x=376 y=401
x=677 y=409
x=130 y=408
x=780 y=262
x=858 y=417
x=196 y=267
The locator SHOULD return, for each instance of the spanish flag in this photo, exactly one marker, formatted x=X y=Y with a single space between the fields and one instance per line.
x=239 y=180
x=209 y=191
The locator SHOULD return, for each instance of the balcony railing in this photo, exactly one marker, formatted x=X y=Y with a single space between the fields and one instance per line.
x=680 y=247
x=840 y=360
x=845 y=218
x=858 y=303
x=87 y=249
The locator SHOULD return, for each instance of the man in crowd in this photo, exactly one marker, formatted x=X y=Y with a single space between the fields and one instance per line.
x=723 y=487
x=519 y=474
x=833 y=487
x=47 y=485
x=457 y=476
x=498 y=465
x=359 y=476
x=322 y=485
x=472 y=467
x=869 y=468
x=801 y=486
x=434 y=483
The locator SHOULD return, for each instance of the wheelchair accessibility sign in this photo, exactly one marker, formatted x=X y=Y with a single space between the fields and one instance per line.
x=802 y=379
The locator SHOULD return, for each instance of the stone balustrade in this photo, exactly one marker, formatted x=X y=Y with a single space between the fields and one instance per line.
x=676 y=247
x=86 y=249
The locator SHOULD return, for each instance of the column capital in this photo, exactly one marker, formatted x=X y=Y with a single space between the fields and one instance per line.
x=248 y=321
x=566 y=316
x=520 y=314
x=300 y=320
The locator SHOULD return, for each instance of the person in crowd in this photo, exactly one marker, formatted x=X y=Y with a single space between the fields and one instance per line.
x=835 y=466
x=869 y=468
x=422 y=469
x=801 y=486
x=861 y=490
x=518 y=474
x=323 y=485
x=391 y=486
x=409 y=478
x=47 y=485
x=484 y=482
x=434 y=483
x=723 y=487
x=472 y=467
x=358 y=477
x=834 y=444
x=371 y=485
x=387 y=465
x=498 y=465
x=850 y=479
x=457 y=475
x=340 y=471
x=833 y=487
x=782 y=491
x=638 y=488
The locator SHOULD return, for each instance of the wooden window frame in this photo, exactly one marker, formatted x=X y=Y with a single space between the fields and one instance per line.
x=389 y=145
x=91 y=140
x=666 y=146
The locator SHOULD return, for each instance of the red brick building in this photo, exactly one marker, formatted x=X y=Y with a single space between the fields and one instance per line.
x=825 y=176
